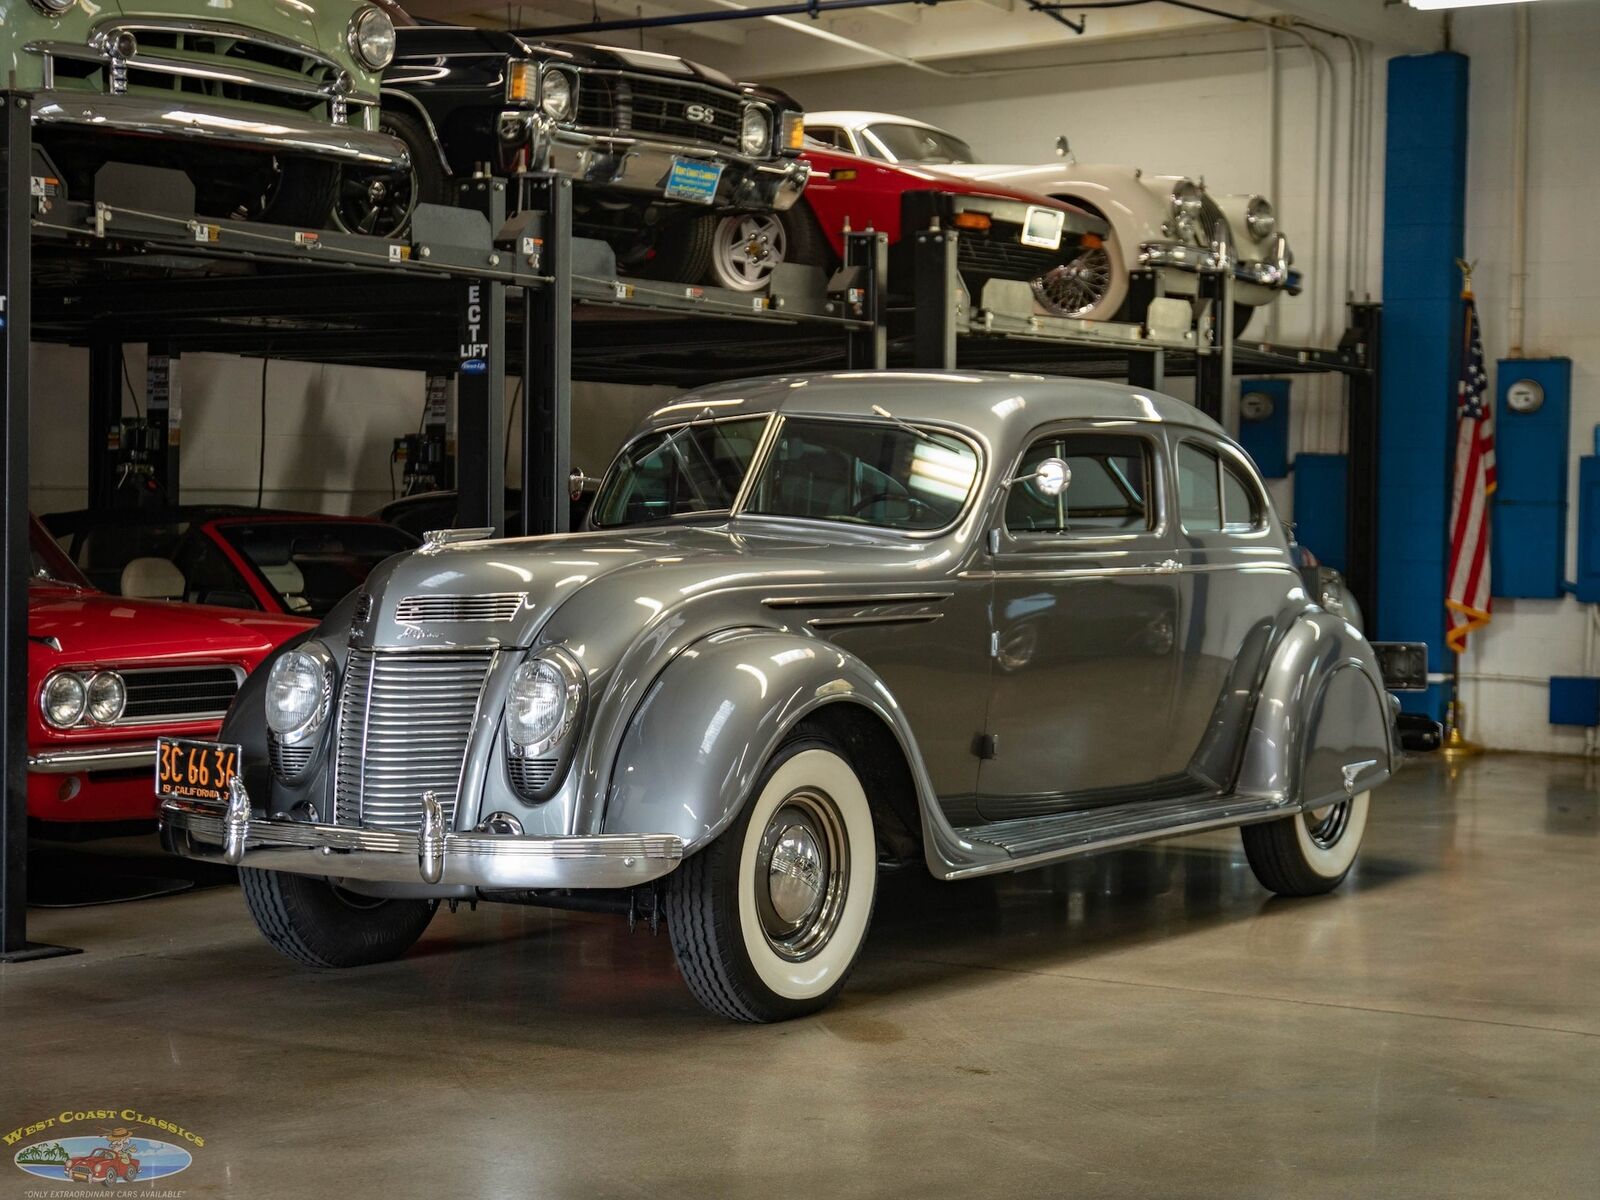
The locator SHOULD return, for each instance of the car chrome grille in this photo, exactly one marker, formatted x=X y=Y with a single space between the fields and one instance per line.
x=658 y=107
x=489 y=606
x=178 y=693
x=289 y=762
x=1000 y=254
x=530 y=776
x=1210 y=216
x=404 y=723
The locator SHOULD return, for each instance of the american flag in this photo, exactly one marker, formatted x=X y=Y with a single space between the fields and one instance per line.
x=1467 y=596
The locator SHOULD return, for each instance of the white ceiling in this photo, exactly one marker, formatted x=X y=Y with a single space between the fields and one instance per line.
x=970 y=33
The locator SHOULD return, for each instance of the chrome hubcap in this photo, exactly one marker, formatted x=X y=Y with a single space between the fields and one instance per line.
x=801 y=875
x=1075 y=287
x=1327 y=825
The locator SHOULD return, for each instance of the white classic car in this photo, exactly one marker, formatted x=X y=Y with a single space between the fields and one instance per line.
x=1164 y=221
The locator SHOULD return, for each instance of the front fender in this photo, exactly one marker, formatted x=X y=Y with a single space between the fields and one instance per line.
x=709 y=722
x=1321 y=715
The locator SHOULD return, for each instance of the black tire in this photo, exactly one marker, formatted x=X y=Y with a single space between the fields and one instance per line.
x=706 y=898
x=682 y=252
x=302 y=194
x=423 y=182
x=309 y=920
x=1307 y=854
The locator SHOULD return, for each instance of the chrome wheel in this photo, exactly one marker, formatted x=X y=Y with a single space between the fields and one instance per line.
x=1325 y=826
x=802 y=875
x=745 y=250
x=1077 y=287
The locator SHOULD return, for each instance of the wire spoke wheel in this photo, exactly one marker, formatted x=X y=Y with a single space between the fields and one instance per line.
x=747 y=248
x=1076 y=287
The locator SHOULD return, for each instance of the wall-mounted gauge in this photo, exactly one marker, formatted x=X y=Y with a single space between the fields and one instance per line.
x=1525 y=396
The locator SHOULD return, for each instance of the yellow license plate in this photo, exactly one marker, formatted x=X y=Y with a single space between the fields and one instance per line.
x=195 y=770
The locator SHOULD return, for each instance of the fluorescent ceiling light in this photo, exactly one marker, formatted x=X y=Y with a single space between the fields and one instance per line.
x=1437 y=4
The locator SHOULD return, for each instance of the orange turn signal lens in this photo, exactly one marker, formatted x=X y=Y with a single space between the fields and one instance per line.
x=1092 y=241
x=971 y=220
x=519 y=82
x=794 y=131
x=845 y=173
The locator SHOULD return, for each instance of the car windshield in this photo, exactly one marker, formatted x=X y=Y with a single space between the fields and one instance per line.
x=685 y=471
x=914 y=143
x=47 y=562
x=865 y=473
x=314 y=564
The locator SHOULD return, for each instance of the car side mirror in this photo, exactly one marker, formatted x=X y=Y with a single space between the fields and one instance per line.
x=1051 y=477
x=1063 y=148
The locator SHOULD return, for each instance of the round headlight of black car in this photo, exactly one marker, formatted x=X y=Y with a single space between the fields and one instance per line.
x=63 y=699
x=299 y=693
x=53 y=8
x=556 y=95
x=543 y=702
x=1260 y=218
x=107 y=697
x=755 y=132
x=371 y=38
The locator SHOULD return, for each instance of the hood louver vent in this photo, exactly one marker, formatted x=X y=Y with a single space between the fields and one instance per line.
x=490 y=606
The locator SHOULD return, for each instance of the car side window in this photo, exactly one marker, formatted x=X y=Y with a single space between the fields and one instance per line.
x=1108 y=490
x=1241 y=502
x=828 y=136
x=1199 y=495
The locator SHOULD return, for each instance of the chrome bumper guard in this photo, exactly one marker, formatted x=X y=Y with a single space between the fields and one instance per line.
x=238 y=128
x=1274 y=273
x=641 y=164
x=434 y=856
x=140 y=756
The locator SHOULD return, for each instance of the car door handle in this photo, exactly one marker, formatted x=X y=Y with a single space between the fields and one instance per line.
x=1170 y=566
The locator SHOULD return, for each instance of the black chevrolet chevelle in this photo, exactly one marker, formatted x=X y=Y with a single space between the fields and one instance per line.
x=659 y=148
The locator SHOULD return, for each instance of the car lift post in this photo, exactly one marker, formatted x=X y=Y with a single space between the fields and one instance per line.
x=481 y=382
x=163 y=410
x=867 y=253
x=1146 y=368
x=1213 y=369
x=1361 y=483
x=105 y=417
x=16 y=252
x=937 y=295
x=547 y=361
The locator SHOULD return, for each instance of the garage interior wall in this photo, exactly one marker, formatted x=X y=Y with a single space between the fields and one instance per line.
x=1201 y=110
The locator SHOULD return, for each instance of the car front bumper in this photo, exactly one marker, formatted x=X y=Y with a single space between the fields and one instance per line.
x=137 y=756
x=458 y=860
x=529 y=141
x=197 y=123
x=1272 y=275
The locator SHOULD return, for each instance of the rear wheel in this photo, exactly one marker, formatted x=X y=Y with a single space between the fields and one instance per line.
x=1310 y=852
x=767 y=921
x=313 y=922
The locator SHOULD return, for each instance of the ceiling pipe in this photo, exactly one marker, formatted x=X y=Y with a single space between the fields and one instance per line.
x=1517 y=309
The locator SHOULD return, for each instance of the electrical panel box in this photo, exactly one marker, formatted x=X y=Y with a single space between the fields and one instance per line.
x=1319 y=506
x=1574 y=700
x=1532 y=416
x=1589 y=530
x=1264 y=424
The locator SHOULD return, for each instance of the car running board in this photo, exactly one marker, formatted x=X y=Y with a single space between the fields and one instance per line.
x=1038 y=840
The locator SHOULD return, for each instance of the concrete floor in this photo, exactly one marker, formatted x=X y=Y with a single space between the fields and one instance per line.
x=1144 y=1024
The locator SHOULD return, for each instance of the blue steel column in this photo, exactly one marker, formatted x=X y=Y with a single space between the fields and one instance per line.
x=1424 y=216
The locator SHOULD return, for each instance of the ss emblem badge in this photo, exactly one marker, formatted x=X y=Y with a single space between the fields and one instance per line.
x=703 y=113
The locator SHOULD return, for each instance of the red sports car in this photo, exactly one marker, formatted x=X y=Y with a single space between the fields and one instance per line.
x=284 y=562
x=109 y=675
x=102 y=1166
x=1005 y=233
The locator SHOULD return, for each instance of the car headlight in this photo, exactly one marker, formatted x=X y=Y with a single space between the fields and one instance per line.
x=1187 y=203
x=107 y=697
x=1260 y=218
x=299 y=693
x=556 y=92
x=63 y=699
x=53 y=8
x=543 y=702
x=371 y=38
x=755 y=131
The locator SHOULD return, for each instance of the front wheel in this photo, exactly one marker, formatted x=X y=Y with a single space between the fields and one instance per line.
x=381 y=201
x=768 y=919
x=746 y=248
x=313 y=922
x=1310 y=852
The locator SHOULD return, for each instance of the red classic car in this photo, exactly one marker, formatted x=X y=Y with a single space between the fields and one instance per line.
x=1005 y=233
x=104 y=1166
x=284 y=562
x=108 y=675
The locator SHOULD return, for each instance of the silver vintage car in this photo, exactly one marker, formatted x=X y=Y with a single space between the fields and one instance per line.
x=978 y=621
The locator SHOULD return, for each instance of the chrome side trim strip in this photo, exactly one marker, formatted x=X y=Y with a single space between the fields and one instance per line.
x=860 y=599
x=135 y=757
x=885 y=619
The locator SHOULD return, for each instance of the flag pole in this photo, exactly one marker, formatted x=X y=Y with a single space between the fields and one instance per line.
x=1456 y=744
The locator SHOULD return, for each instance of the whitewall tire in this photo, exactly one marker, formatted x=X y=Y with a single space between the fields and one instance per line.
x=1312 y=851
x=768 y=920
